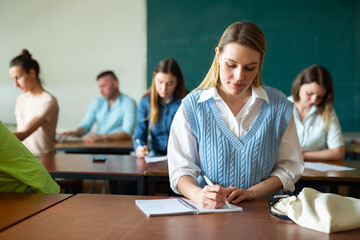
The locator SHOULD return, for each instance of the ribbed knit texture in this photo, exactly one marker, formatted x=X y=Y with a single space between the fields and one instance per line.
x=242 y=162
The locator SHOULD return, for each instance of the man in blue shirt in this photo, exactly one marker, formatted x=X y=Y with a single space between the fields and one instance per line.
x=114 y=113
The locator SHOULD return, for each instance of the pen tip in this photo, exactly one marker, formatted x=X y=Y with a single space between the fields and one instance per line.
x=228 y=204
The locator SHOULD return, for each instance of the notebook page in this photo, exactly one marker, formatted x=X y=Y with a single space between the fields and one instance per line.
x=158 y=207
x=224 y=208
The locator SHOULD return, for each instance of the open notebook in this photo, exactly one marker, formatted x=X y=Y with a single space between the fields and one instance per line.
x=178 y=206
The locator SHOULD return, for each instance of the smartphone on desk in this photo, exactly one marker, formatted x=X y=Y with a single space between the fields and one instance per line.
x=99 y=158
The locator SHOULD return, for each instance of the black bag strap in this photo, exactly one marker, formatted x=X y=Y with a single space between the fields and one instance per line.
x=272 y=203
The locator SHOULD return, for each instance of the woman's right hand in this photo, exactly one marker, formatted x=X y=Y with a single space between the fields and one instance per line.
x=142 y=151
x=210 y=196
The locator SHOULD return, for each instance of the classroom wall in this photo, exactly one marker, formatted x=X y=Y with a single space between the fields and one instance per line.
x=73 y=40
x=299 y=33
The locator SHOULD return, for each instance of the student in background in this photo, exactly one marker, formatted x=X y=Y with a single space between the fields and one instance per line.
x=157 y=108
x=316 y=122
x=114 y=113
x=36 y=109
x=20 y=171
x=238 y=133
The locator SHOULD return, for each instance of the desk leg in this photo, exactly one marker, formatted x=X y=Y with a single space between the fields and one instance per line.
x=152 y=181
x=334 y=188
x=151 y=186
x=354 y=191
x=140 y=186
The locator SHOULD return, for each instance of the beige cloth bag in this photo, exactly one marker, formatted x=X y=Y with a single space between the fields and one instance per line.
x=324 y=212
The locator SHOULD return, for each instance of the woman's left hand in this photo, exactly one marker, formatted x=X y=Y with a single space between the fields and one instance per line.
x=236 y=194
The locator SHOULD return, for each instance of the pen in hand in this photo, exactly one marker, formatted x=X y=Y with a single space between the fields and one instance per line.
x=209 y=182
x=141 y=145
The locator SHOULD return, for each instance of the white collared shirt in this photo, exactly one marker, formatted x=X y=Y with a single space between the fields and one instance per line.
x=315 y=134
x=183 y=156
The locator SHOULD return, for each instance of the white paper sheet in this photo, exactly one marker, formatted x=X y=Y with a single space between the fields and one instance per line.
x=324 y=167
x=155 y=159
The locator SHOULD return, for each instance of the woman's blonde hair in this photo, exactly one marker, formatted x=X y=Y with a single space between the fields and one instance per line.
x=321 y=76
x=169 y=66
x=246 y=34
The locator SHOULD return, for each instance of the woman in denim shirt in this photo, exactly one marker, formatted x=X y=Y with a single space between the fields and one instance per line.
x=157 y=109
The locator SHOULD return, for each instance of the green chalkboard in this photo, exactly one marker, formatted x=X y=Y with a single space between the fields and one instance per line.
x=298 y=33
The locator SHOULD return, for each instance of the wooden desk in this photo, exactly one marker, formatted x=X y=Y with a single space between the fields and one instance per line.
x=81 y=166
x=334 y=179
x=157 y=169
x=90 y=216
x=111 y=147
x=352 y=176
x=156 y=172
x=161 y=169
x=159 y=172
x=15 y=207
x=352 y=149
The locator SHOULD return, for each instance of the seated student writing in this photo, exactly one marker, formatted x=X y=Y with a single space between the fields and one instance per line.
x=157 y=108
x=238 y=133
x=36 y=110
x=20 y=171
x=114 y=113
x=316 y=122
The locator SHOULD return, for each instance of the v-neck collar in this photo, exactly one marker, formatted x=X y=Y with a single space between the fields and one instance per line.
x=238 y=142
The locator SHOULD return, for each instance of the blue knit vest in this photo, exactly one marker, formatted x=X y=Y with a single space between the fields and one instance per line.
x=244 y=161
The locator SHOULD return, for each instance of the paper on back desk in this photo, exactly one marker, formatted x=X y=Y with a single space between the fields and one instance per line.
x=155 y=159
x=324 y=167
